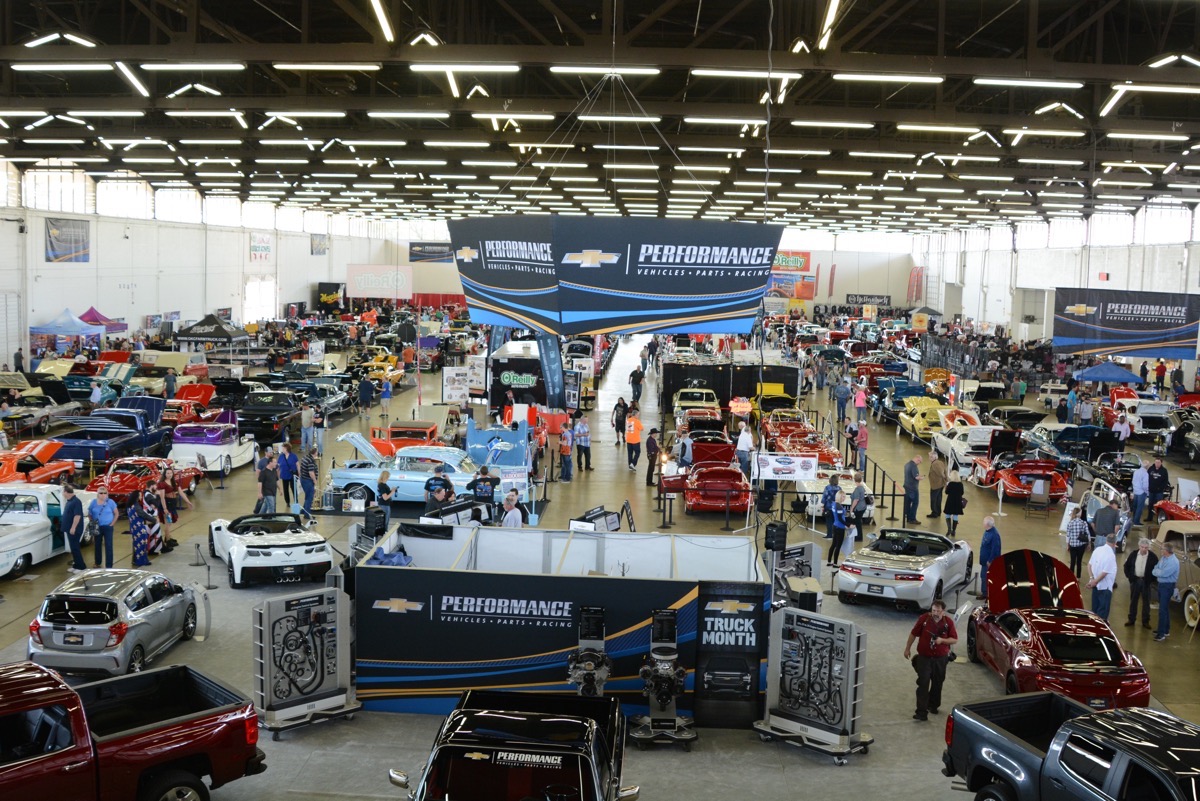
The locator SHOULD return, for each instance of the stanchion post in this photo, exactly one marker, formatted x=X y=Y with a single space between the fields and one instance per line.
x=727 y=527
x=1000 y=500
x=892 y=508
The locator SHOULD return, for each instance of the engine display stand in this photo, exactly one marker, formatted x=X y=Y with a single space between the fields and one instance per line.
x=663 y=679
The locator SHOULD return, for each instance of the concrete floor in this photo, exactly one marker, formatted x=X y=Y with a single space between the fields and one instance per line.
x=349 y=759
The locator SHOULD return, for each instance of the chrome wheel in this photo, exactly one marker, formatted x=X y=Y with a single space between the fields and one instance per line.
x=137 y=661
x=189 y=622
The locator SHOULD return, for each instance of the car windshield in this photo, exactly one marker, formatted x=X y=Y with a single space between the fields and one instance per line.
x=151 y=371
x=410 y=433
x=129 y=470
x=692 y=396
x=267 y=523
x=263 y=399
x=475 y=775
x=909 y=544
x=1082 y=648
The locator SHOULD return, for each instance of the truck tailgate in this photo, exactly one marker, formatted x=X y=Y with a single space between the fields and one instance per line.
x=1031 y=719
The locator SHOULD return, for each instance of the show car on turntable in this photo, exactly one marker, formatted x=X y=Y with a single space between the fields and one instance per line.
x=1034 y=633
x=906 y=568
x=269 y=548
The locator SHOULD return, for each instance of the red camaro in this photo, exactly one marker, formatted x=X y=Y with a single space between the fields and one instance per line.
x=136 y=473
x=31 y=462
x=1035 y=634
x=1020 y=477
x=715 y=489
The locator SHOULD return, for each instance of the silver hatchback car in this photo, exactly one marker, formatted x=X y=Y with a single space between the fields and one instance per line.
x=111 y=621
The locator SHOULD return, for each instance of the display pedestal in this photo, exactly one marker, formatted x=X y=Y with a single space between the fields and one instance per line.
x=646 y=729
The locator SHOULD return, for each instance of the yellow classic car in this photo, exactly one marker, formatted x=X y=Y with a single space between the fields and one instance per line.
x=921 y=418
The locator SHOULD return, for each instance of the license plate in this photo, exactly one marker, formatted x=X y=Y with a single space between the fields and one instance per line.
x=875 y=588
x=72 y=639
x=1098 y=703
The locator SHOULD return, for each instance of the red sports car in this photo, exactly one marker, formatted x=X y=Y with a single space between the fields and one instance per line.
x=715 y=489
x=1170 y=510
x=188 y=405
x=136 y=473
x=1036 y=635
x=31 y=462
x=678 y=482
x=784 y=422
x=1020 y=477
x=812 y=442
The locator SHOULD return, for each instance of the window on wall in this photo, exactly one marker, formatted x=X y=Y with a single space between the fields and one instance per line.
x=221 y=210
x=178 y=205
x=10 y=181
x=258 y=215
x=1110 y=230
x=56 y=185
x=1161 y=224
x=1067 y=233
x=316 y=222
x=1032 y=235
x=339 y=225
x=125 y=195
x=289 y=218
x=259 y=300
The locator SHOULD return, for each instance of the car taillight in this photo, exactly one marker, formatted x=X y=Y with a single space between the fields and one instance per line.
x=909 y=577
x=116 y=633
x=252 y=730
x=35 y=631
x=851 y=569
x=949 y=728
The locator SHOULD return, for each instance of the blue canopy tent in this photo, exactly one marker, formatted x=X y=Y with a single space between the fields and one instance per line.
x=58 y=334
x=1108 y=373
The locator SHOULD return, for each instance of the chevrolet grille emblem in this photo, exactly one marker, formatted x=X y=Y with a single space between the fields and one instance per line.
x=728 y=607
x=399 y=605
x=477 y=755
x=591 y=258
x=466 y=254
x=1080 y=309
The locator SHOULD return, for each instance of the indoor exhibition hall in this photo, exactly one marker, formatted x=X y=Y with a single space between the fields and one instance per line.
x=594 y=400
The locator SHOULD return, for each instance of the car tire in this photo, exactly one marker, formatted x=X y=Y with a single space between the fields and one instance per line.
x=1193 y=452
x=845 y=597
x=212 y=545
x=1010 y=684
x=972 y=642
x=970 y=574
x=174 y=785
x=1191 y=607
x=226 y=465
x=165 y=446
x=360 y=491
x=938 y=591
x=234 y=584
x=190 y=489
x=1162 y=517
x=44 y=426
x=137 y=660
x=189 y=622
x=995 y=792
x=21 y=566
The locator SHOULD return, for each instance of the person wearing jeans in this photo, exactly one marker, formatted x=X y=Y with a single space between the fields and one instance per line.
x=104 y=511
x=583 y=443
x=1167 y=573
x=73 y=526
x=268 y=486
x=1141 y=492
x=308 y=478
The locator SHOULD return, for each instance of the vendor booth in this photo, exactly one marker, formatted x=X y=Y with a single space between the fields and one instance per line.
x=501 y=608
x=96 y=318
x=64 y=331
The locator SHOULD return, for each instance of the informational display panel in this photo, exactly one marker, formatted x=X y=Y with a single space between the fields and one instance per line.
x=1146 y=324
x=817 y=668
x=731 y=650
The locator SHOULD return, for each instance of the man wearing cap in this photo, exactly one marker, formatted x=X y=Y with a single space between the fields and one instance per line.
x=72 y=524
x=103 y=510
x=438 y=479
x=652 y=451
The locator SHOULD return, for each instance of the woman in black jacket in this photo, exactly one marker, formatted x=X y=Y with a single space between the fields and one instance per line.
x=953 y=504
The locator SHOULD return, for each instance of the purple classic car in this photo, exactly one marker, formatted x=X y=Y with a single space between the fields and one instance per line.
x=215 y=446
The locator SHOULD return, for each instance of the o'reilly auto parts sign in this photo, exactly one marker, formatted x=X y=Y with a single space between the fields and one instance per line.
x=394 y=282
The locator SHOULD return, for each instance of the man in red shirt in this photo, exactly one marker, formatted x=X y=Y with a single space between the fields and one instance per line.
x=1160 y=375
x=934 y=633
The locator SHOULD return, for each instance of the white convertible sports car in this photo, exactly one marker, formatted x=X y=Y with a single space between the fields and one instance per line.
x=269 y=548
x=215 y=446
x=906 y=568
x=29 y=525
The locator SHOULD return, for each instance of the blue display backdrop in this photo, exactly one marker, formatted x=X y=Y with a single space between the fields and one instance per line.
x=1105 y=321
x=586 y=275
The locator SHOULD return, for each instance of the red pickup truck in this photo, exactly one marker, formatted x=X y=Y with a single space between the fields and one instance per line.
x=142 y=737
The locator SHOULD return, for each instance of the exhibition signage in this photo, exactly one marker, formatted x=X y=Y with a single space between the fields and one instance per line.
x=567 y=275
x=731 y=646
x=260 y=247
x=792 y=276
x=394 y=282
x=331 y=298
x=67 y=239
x=874 y=300
x=1105 y=321
x=784 y=467
x=454 y=385
x=430 y=252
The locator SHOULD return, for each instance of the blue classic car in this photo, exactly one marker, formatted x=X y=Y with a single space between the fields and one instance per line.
x=410 y=468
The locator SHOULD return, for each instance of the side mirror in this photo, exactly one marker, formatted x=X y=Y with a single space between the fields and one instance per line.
x=398 y=779
x=629 y=793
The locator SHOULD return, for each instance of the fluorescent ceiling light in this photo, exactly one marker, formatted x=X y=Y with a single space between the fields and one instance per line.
x=553 y=165
x=230 y=113
x=886 y=78
x=1029 y=83
x=449 y=143
x=408 y=115
x=488 y=163
x=541 y=145
x=881 y=154
x=832 y=124
x=113 y=113
x=1043 y=132
x=951 y=129
x=374 y=142
x=71 y=66
x=385 y=24
x=41 y=40
x=464 y=67
x=961 y=157
x=768 y=75
x=328 y=66
x=725 y=120
x=513 y=116
x=1175 y=89
x=299 y=114
x=645 y=148
x=194 y=66
x=607 y=70
x=734 y=151
x=1052 y=162
x=1165 y=137
x=856 y=173
x=774 y=151
x=210 y=141
x=618 y=118
x=53 y=141
x=15 y=112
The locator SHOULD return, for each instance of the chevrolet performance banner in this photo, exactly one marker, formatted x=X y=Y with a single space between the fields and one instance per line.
x=68 y=239
x=1148 y=324
x=585 y=275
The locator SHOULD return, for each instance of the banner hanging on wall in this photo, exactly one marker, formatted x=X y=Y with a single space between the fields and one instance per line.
x=318 y=244
x=567 y=275
x=260 y=247
x=391 y=281
x=68 y=240
x=1106 y=321
x=331 y=298
x=792 y=276
x=441 y=252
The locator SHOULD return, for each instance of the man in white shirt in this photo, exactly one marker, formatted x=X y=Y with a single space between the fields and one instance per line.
x=512 y=515
x=95 y=397
x=1122 y=430
x=745 y=444
x=1102 y=568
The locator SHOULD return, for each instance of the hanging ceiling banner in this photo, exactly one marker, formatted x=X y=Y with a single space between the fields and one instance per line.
x=1107 y=321
x=588 y=275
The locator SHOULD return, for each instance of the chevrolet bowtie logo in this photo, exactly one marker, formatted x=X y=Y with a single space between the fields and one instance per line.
x=591 y=258
x=466 y=253
x=728 y=607
x=399 y=605
x=1080 y=309
x=477 y=755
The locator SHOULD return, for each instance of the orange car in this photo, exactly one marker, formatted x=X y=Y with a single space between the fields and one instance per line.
x=31 y=462
x=388 y=439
